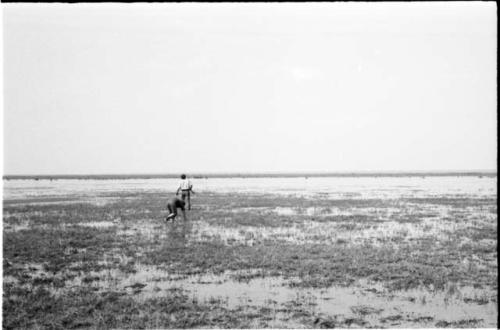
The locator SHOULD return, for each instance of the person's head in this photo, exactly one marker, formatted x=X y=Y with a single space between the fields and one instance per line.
x=183 y=176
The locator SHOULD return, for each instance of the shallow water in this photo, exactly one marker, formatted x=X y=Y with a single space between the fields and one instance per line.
x=327 y=187
x=370 y=301
x=97 y=224
x=311 y=231
x=24 y=225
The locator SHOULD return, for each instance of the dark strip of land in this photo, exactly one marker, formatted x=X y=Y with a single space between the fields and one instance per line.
x=249 y=175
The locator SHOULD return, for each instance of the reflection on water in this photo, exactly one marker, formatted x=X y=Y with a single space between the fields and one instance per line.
x=312 y=211
x=97 y=224
x=326 y=187
x=370 y=301
x=8 y=227
x=317 y=232
x=367 y=300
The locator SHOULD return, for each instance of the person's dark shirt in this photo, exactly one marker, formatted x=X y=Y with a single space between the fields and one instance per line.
x=177 y=203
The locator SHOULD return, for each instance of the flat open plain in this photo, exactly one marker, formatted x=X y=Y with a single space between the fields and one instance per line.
x=348 y=252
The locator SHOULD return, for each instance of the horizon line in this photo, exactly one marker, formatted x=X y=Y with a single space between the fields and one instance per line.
x=259 y=174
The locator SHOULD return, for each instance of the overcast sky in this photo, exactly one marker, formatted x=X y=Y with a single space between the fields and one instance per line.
x=142 y=88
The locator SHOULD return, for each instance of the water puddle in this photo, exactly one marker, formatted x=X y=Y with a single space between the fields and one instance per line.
x=9 y=227
x=100 y=200
x=314 y=232
x=29 y=270
x=97 y=224
x=403 y=211
x=304 y=233
x=312 y=211
x=285 y=211
x=76 y=199
x=9 y=280
x=22 y=203
x=368 y=301
x=149 y=228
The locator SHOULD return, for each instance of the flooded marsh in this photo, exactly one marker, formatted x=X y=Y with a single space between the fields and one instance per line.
x=254 y=253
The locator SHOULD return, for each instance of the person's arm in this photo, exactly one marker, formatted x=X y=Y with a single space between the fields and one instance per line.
x=177 y=192
x=191 y=187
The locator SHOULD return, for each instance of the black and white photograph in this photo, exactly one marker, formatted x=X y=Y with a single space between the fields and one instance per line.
x=289 y=165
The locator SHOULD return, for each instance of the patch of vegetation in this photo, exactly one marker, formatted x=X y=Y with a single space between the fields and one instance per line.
x=56 y=247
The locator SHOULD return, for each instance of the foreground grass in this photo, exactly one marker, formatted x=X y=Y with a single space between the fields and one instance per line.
x=84 y=308
x=61 y=238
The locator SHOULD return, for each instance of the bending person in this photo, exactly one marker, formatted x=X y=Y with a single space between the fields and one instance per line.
x=172 y=207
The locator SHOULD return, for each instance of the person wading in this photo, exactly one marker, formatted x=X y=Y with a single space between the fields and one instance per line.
x=186 y=188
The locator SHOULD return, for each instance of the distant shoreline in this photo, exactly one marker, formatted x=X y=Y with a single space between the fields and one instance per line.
x=249 y=175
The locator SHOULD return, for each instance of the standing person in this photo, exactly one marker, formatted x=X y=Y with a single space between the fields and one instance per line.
x=186 y=188
x=172 y=206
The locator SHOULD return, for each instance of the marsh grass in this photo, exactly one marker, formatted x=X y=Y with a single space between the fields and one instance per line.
x=58 y=254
